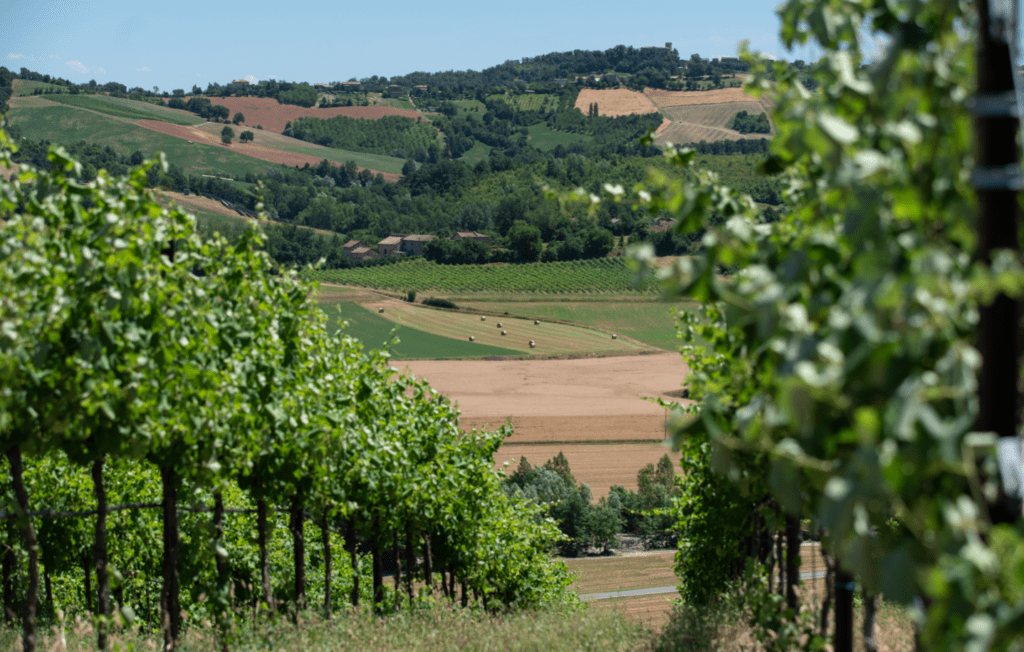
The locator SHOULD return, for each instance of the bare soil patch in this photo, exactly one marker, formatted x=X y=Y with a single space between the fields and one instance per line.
x=614 y=102
x=628 y=428
x=254 y=149
x=272 y=116
x=696 y=122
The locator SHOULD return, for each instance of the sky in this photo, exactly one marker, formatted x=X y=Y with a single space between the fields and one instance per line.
x=180 y=44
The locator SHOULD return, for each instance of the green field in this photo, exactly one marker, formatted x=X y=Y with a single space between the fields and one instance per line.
x=479 y=152
x=533 y=102
x=470 y=106
x=66 y=125
x=373 y=331
x=648 y=321
x=546 y=139
x=377 y=162
x=600 y=276
x=130 y=109
x=22 y=87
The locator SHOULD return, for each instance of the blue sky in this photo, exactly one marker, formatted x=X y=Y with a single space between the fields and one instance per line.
x=178 y=44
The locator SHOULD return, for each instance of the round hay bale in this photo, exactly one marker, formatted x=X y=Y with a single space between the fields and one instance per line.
x=614 y=336
x=380 y=310
x=472 y=339
x=482 y=318
x=499 y=324
x=533 y=344
x=504 y=332
x=536 y=322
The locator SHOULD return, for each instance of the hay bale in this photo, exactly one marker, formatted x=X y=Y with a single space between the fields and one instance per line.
x=482 y=318
x=472 y=339
x=614 y=336
x=504 y=332
x=380 y=310
x=533 y=344
x=536 y=322
x=499 y=324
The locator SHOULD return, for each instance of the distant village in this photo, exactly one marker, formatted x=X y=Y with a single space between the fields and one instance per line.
x=403 y=244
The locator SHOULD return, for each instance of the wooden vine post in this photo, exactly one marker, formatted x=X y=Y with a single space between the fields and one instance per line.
x=997 y=183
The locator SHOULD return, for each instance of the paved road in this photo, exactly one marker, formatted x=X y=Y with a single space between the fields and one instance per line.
x=590 y=597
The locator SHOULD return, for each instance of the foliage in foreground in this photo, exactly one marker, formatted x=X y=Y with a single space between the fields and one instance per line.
x=835 y=370
x=130 y=346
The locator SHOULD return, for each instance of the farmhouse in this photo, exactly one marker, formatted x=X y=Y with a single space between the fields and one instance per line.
x=362 y=253
x=390 y=245
x=351 y=86
x=414 y=243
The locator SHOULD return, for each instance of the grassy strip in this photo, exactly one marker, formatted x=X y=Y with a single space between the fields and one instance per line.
x=546 y=139
x=596 y=276
x=133 y=111
x=377 y=162
x=436 y=629
x=648 y=321
x=374 y=331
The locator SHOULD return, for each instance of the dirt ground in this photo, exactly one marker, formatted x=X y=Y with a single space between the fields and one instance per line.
x=266 y=112
x=254 y=149
x=591 y=409
x=614 y=102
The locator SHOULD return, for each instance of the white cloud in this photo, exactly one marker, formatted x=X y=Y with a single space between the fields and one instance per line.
x=143 y=69
x=56 y=56
x=77 y=66
x=14 y=55
x=101 y=70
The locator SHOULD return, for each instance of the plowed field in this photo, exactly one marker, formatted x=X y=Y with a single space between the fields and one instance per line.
x=255 y=149
x=614 y=102
x=266 y=112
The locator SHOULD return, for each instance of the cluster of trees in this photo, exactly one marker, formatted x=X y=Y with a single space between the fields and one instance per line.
x=646 y=512
x=201 y=106
x=390 y=135
x=749 y=123
x=189 y=368
x=6 y=88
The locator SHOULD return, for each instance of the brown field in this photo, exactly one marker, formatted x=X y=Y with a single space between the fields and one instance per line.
x=614 y=102
x=663 y=99
x=257 y=149
x=266 y=112
x=573 y=401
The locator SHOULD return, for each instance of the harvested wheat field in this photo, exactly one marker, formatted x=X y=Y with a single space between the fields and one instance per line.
x=613 y=102
x=576 y=406
x=256 y=149
x=663 y=99
x=272 y=116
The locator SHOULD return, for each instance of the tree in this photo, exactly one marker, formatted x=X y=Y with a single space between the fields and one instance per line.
x=226 y=134
x=524 y=239
x=246 y=136
x=239 y=118
x=409 y=167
